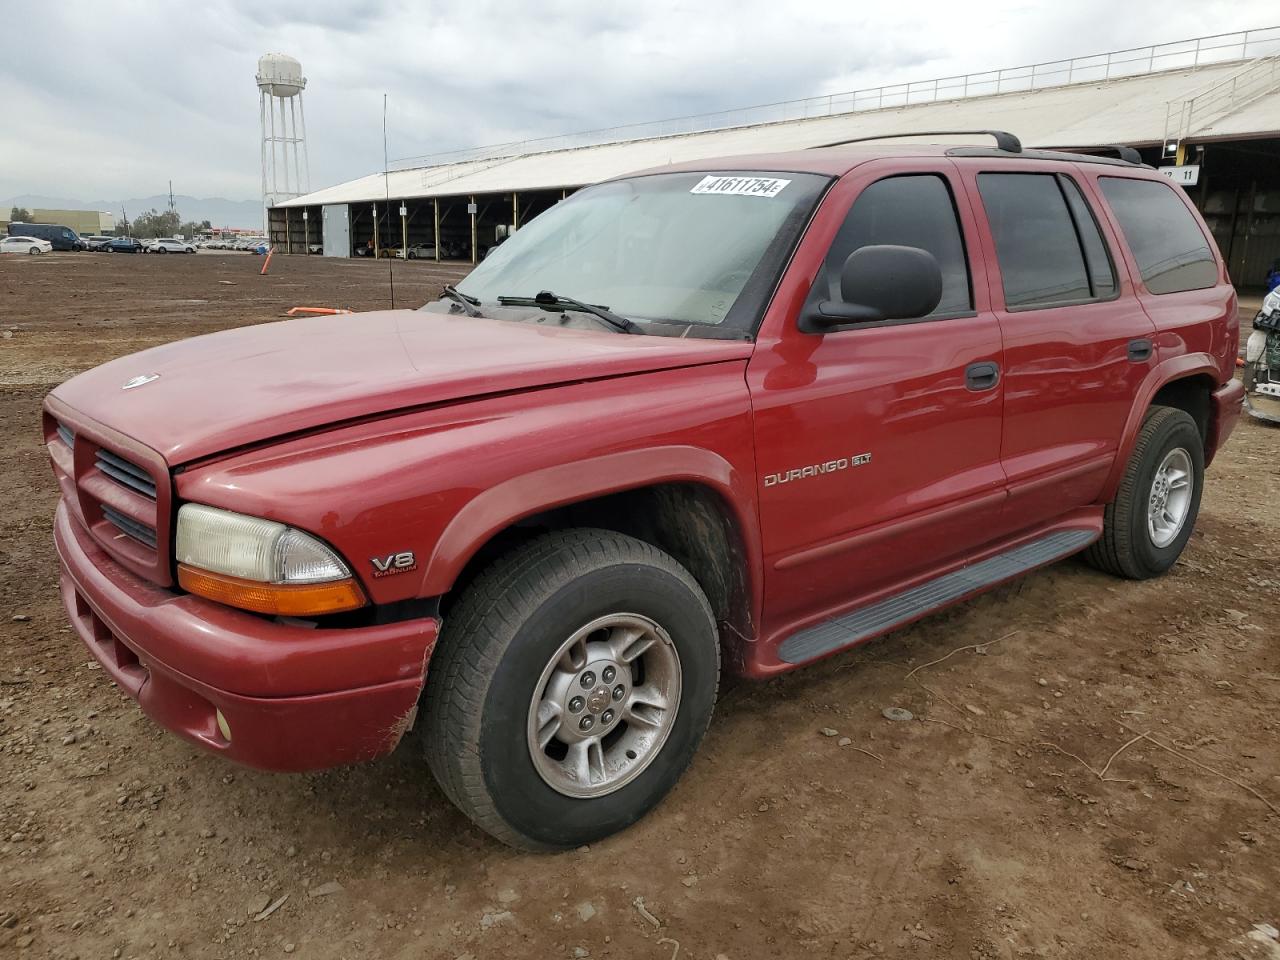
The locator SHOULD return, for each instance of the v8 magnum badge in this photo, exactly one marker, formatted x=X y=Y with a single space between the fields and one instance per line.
x=394 y=563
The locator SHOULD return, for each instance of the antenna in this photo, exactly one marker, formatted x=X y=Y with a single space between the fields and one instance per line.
x=386 y=184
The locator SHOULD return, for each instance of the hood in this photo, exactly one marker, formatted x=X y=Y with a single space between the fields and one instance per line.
x=250 y=384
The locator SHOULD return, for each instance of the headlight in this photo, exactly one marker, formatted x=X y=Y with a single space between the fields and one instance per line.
x=1271 y=302
x=260 y=565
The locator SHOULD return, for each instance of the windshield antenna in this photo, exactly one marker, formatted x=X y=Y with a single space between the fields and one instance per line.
x=386 y=185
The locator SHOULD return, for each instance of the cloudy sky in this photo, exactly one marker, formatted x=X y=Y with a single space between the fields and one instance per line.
x=112 y=99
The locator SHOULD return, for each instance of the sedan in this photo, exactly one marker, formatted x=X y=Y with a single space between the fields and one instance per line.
x=124 y=245
x=30 y=245
x=166 y=245
x=418 y=251
x=96 y=243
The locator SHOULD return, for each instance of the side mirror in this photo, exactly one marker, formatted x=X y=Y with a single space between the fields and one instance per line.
x=881 y=282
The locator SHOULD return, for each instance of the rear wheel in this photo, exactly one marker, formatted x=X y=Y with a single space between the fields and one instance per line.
x=1148 y=524
x=571 y=686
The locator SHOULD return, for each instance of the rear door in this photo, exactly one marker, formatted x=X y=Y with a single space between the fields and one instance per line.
x=1077 y=342
x=877 y=450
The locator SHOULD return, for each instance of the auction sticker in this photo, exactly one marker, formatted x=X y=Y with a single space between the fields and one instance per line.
x=740 y=186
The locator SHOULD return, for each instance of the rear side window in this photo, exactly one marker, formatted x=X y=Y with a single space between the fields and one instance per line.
x=1102 y=275
x=1042 y=260
x=1171 y=252
x=909 y=211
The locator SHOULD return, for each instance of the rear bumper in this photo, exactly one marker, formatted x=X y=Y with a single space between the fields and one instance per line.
x=292 y=698
x=1227 y=402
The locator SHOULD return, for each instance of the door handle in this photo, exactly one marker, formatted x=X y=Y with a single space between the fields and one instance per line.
x=982 y=375
x=1139 y=350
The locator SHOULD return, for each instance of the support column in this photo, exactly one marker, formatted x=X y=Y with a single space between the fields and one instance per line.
x=515 y=211
x=471 y=205
x=435 y=204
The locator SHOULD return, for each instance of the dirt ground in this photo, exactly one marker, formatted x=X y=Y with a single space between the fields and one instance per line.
x=981 y=829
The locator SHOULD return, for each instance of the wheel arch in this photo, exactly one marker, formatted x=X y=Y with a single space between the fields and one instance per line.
x=687 y=501
x=1186 y=383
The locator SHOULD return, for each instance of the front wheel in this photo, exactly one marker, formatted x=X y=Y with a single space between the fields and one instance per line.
x=1147 y=525
x=33 y=251
x=571 y=686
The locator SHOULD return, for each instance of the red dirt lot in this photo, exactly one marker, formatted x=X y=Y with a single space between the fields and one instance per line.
x=1015 y=816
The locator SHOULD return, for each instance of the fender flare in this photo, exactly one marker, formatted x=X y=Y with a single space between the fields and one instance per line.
x=1175 y=368
x=498 y=507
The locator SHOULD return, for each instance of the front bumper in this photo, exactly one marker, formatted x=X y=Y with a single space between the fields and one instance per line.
x=293 y=698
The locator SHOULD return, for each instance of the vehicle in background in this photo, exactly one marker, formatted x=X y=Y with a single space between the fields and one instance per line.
x=418 y=251
x=29 y=245
x=124 y=245
x=1261 y=373
x=96 y=244
x=62 y=238
x=168 y=245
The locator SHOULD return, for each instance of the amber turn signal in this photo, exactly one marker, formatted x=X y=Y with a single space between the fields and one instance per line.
x=279 y=599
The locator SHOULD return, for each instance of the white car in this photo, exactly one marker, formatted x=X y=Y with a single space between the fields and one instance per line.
x=168 y=245
x=31 y=245
x=418 y=251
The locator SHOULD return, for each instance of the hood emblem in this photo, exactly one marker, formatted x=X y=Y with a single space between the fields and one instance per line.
x=140 y=381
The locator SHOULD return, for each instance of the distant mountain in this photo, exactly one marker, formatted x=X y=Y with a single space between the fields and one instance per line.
x=219 y=212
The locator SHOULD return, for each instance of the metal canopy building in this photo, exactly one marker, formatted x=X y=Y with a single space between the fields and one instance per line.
x=1217 y=97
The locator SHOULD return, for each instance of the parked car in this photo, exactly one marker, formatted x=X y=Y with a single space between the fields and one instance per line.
x=28 y=245
x=168 y=245
x=737 y=414
x=60 y=237
x=418 y=251
x=124 y=245
x=96 y=244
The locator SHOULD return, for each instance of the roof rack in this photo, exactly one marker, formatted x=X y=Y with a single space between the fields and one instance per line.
x=1004 y=141
x=1126 y=153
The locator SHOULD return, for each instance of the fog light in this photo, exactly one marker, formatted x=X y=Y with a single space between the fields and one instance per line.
x=224 y=728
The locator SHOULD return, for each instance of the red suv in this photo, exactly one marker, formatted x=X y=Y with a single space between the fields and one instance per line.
x=742 y=414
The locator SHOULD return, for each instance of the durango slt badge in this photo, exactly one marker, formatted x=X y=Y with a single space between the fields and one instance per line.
x=816 y=469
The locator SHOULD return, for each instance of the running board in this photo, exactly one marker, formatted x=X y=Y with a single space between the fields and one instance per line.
x=865 y=622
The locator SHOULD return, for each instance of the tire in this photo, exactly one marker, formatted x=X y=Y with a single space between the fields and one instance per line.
x=34 y=251
x=1130 y=546
x=411 y=255
x=160 y=250
x=485 y=687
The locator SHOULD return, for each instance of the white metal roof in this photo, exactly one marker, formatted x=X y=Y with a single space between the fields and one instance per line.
x=1128 y=110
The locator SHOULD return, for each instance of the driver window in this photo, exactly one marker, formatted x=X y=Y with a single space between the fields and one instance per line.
x=908 y=211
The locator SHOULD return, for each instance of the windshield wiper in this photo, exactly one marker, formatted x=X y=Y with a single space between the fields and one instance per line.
x=553 y=301
x=467 y=303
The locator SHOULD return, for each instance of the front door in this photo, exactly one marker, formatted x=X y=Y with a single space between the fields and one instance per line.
x=877 y=445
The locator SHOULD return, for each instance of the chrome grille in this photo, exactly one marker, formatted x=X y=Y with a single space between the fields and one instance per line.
x=127 y=474
x=130 y=527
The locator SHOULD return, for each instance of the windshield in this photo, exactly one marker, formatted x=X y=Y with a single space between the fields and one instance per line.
x=678 y=248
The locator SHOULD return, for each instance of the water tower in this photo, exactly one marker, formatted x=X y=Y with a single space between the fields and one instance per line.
x=286 y=171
